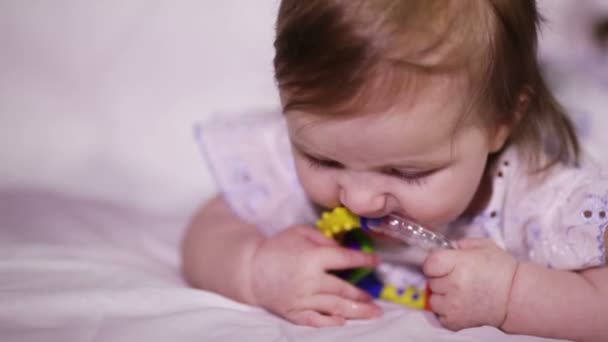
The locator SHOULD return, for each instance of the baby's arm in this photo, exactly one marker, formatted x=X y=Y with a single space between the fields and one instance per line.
x=559 y=304
x=481 y=284
x=285 y=273
x=217 y=250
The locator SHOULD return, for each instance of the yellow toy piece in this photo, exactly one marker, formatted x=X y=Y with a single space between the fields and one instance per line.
x=411 y=297
x=337 y=222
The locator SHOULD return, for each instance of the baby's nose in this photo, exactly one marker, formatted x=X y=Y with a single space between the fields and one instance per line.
x=363 y=202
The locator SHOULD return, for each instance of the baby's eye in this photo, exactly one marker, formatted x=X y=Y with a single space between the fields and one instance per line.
x=317 y=163
x=410 y=177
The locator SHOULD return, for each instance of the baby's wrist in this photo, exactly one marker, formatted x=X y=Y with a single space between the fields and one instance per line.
x=510 y=295
x=247 y=271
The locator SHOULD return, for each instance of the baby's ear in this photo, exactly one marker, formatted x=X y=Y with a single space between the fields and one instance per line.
x=499 y=136
x=523 y=104
x=502 y=130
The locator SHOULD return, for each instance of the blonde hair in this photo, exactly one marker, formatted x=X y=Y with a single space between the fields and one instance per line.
x=333 y=56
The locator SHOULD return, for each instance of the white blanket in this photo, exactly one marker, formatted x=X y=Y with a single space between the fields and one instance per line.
x=82 y=270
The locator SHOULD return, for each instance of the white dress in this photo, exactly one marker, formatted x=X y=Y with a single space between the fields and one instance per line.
x=557 y=220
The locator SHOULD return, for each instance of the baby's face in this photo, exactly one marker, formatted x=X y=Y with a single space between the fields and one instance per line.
x=413 y=159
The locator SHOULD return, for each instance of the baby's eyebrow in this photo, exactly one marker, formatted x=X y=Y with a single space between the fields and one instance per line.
x=303 y=149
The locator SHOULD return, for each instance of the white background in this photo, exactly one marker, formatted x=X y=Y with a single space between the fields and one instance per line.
x=98 y=98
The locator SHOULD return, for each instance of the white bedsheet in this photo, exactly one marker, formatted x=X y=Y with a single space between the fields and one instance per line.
x=82 y=270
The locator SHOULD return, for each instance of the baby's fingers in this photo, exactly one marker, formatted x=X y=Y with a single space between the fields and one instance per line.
x=337 y=306
x=314 y=319
x=442 y=285
x=438 y=303
x=439 y=263
x=330 y=284
x=445 y=313
x=332 y=258
x=315 y=236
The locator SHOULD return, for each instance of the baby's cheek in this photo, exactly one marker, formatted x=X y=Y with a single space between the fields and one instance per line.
x=439 y=206
x=319 y=187
x=435 y=213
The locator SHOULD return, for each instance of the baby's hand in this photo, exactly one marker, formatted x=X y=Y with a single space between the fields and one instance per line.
x=471 y=285
x=289 y=277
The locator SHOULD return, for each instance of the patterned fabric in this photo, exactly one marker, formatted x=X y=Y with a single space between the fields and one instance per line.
x=556 y=218
x=250 y=159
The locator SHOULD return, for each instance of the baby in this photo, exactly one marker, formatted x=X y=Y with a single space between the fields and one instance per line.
x=434 y=110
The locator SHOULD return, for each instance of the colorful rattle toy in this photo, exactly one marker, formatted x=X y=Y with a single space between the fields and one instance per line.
x=351 y=231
